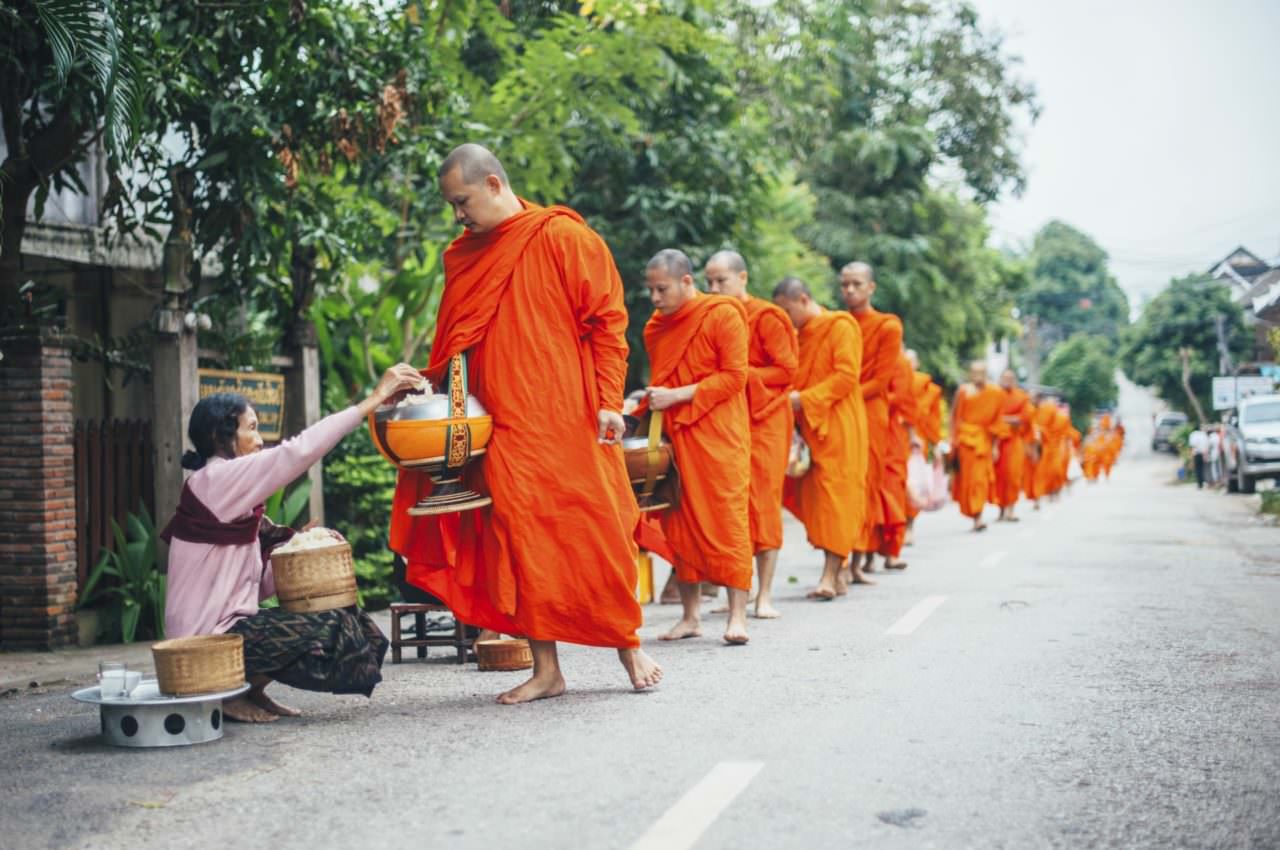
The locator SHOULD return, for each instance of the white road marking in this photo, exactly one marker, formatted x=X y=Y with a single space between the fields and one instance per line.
x=683 y=824
x=912 y=619
x=993 y=559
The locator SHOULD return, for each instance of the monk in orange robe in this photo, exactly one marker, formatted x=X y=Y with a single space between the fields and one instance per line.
x=827 y=400
x=1049 y=441
x=926 y=431
x=976 y=426
x=881 y=348
x=771 y=365
x=532 y=293
x=697 y=347
x=1017 y=413
x=902 y=410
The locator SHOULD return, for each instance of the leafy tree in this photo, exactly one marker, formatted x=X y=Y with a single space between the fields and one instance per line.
x=1084 y=370
x=1071 y=291
x=1183 y=316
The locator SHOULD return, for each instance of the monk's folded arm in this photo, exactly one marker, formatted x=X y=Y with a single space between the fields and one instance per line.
x=889 y=350
x=816 y=401
x=780 y=346
x=730 y=331
x=595 y=291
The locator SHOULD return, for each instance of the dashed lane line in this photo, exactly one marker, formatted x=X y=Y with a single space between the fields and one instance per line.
x=683 y=824
x=912 y=619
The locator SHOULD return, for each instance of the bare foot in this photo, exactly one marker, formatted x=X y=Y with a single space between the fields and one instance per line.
x=860 y=577
x=1012 y=518
x=895 y=564
x=736 y=632
x=826 y=590
x=683 y=629
x=246 y=712
x=670 y=592
x=724 y=609
x=534 y=689
x=643 y=670
x=766 y=611
x=979 y=526
x=870 y=565
x=261 y=700
x=842 y=582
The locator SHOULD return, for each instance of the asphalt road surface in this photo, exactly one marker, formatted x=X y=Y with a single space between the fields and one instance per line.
x=1105 y=673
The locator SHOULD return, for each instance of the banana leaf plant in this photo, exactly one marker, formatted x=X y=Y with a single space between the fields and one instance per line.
x=136 y=599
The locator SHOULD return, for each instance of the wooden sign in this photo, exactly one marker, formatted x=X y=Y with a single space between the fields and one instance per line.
x=264 y=390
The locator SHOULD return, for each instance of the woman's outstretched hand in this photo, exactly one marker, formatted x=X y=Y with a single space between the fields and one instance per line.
x=400 y=378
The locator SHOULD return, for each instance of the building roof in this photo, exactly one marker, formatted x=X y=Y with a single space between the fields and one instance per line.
x=1240 y=263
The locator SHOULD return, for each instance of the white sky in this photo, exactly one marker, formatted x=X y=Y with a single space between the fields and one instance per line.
x=1160 y=129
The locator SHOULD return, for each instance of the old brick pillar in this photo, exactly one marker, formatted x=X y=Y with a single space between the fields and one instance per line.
x=37 y=493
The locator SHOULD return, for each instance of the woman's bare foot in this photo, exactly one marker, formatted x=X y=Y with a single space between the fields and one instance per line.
x=261 y=700
x=765 y=610
x=539 y=687
x=735 y=634
x=643 y=670
x=244 y=711
x=686 y=628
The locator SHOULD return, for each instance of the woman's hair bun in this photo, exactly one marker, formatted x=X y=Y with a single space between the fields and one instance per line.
x=192 y=460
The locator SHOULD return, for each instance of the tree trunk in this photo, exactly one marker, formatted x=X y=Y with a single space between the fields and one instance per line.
x=1185 y=353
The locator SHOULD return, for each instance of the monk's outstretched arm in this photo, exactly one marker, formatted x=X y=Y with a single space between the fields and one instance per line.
x=595 y=291
x=886 y=358
x=780 y=345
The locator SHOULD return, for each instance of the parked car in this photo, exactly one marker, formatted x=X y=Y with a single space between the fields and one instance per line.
x=1252 y=444
x=1167 y=423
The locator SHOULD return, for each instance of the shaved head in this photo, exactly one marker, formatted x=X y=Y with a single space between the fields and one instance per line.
x=791 y=287
x=731 y=260
x=859 y=268
x=476 y=162
x=674 y=262
x=857 y=285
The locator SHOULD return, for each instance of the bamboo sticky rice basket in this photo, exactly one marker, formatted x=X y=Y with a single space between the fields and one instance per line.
x=504 y=654
x=320 y=579
x=202 y=664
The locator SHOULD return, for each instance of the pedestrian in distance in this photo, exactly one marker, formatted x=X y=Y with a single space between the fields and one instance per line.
x=1198 y=442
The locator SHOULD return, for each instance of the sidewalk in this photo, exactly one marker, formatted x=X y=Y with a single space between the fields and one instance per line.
x=32 y=670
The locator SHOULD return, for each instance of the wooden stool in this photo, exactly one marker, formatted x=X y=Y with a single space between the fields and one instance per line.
x=458 y=640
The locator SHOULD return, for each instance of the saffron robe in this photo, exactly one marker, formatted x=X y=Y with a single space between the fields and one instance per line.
x=977 y=425
x=902 y=409
x=1010 y=467
x=705 y=343
x=538 y=303
x=772 y=352
x=928 y=416
x=881 y=348
x=1042 y=468
x=830 y=498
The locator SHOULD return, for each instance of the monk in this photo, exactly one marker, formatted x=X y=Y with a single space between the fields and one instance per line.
x=926 y=431
x=533 y=295
x=827 y=400
x=1017 y=413
x=976 y=425
x=697 y=347
x=902 y=411
x=881 y=349
x=1048 y=444
x=772 y=352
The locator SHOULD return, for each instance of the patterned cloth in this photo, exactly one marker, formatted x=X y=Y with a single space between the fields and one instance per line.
x=338 y=651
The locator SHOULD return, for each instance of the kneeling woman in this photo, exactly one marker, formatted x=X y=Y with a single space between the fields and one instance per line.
x=219 y=567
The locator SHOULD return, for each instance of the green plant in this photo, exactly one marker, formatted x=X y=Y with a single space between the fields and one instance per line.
x=359 y=486
x=1270 y=502
x=135 y=603
x=286 y=505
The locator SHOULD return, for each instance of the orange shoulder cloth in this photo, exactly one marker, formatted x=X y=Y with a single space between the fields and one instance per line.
x=667 y=337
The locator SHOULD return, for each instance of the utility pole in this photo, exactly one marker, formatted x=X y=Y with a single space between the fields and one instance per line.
x=1031 y=348
x=1225 y=365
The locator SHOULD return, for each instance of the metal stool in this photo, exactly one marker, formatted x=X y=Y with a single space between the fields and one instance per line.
x=420 y=640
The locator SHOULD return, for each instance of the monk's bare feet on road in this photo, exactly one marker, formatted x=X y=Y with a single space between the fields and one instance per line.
x=895 y=564
x=823 y=593
x=766 y=611
x=842 y=581
x=643 y=670
x=539 y=687
x=860 y=576
x=670 y=592
x=736 y=632
x=246 y=712
x=979 y=526
x=261 y=700
x=724 y=609
x=686 y=628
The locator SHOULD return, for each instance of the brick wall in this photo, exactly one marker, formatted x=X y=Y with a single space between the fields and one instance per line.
x=37 y=494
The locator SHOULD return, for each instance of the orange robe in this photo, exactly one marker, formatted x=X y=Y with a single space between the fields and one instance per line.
x=902 y=409
x=927 y=420
x=538 y=303
x=881 y=349
x=772 y=353
x=1013 y=447
x=977 y=426
x=705 y=343
x=830 y=498
x=1042 y=483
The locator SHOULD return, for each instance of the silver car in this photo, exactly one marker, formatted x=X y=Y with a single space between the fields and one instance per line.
x=1252 y=445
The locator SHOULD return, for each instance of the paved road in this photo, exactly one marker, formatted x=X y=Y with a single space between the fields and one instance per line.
x=1104 y=674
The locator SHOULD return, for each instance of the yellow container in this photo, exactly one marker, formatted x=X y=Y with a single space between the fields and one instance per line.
x=644 y=578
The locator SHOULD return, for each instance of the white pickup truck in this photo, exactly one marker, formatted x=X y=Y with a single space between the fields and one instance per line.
x=1252 y=446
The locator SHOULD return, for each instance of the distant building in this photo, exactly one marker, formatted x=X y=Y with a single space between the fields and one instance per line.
x=1255 y=286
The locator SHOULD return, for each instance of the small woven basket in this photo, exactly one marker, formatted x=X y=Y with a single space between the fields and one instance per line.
x=310 y=580
x=202 y=664
x=504 y=654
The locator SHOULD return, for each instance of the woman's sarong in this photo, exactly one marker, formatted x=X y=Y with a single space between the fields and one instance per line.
x=338 y=651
